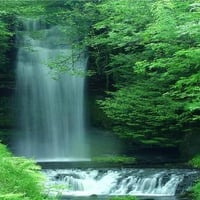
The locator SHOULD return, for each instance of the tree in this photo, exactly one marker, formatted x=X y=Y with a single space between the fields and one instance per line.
x=151 y=52
x=10 y=11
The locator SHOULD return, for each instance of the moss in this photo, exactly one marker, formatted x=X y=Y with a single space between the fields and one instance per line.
x=115 y=159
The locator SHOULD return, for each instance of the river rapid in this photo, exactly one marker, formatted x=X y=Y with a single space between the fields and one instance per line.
x=145 y=183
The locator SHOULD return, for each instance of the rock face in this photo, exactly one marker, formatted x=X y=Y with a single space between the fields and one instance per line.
x=187 y=182
x=7 y=86
x=190 y=146
x=7 y=81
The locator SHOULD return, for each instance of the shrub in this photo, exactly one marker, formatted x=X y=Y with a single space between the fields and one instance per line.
x=196 y=191
x=20 y=178
x=195 y=161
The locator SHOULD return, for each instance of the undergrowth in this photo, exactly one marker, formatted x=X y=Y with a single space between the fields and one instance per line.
x=20 y=178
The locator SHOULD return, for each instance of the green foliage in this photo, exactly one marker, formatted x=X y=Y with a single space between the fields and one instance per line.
x=195 y=161
x=139 y=112
x=19 y=178
x=116 y=33
x=5 y=35
x=195 y=191
x=150 y=50
x=115 y=159
x=74 y=19
x=9 y=11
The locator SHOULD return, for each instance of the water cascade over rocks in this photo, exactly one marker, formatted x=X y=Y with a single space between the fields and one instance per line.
x=50 y=113
x=137 y=182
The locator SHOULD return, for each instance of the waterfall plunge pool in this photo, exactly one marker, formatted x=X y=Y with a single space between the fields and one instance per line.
x=146 y=183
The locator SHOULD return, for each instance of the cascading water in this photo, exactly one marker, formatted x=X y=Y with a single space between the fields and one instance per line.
x=137 y=182
x=50 y=112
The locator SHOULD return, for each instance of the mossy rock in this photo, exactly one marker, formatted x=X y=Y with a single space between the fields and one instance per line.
x=115 y=159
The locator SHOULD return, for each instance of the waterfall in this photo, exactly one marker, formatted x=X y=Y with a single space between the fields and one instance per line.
x=50 y=113
x=136 y=182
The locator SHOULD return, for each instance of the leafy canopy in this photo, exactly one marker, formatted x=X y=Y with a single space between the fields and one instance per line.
x=150 y=51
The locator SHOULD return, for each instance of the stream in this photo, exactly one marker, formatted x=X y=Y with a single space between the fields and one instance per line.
x=146 y=183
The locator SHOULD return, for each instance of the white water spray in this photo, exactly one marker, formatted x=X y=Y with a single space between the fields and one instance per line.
x=136 y=182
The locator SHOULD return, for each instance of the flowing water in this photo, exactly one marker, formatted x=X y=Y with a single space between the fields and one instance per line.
x=135 y=182
x=50 y=112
